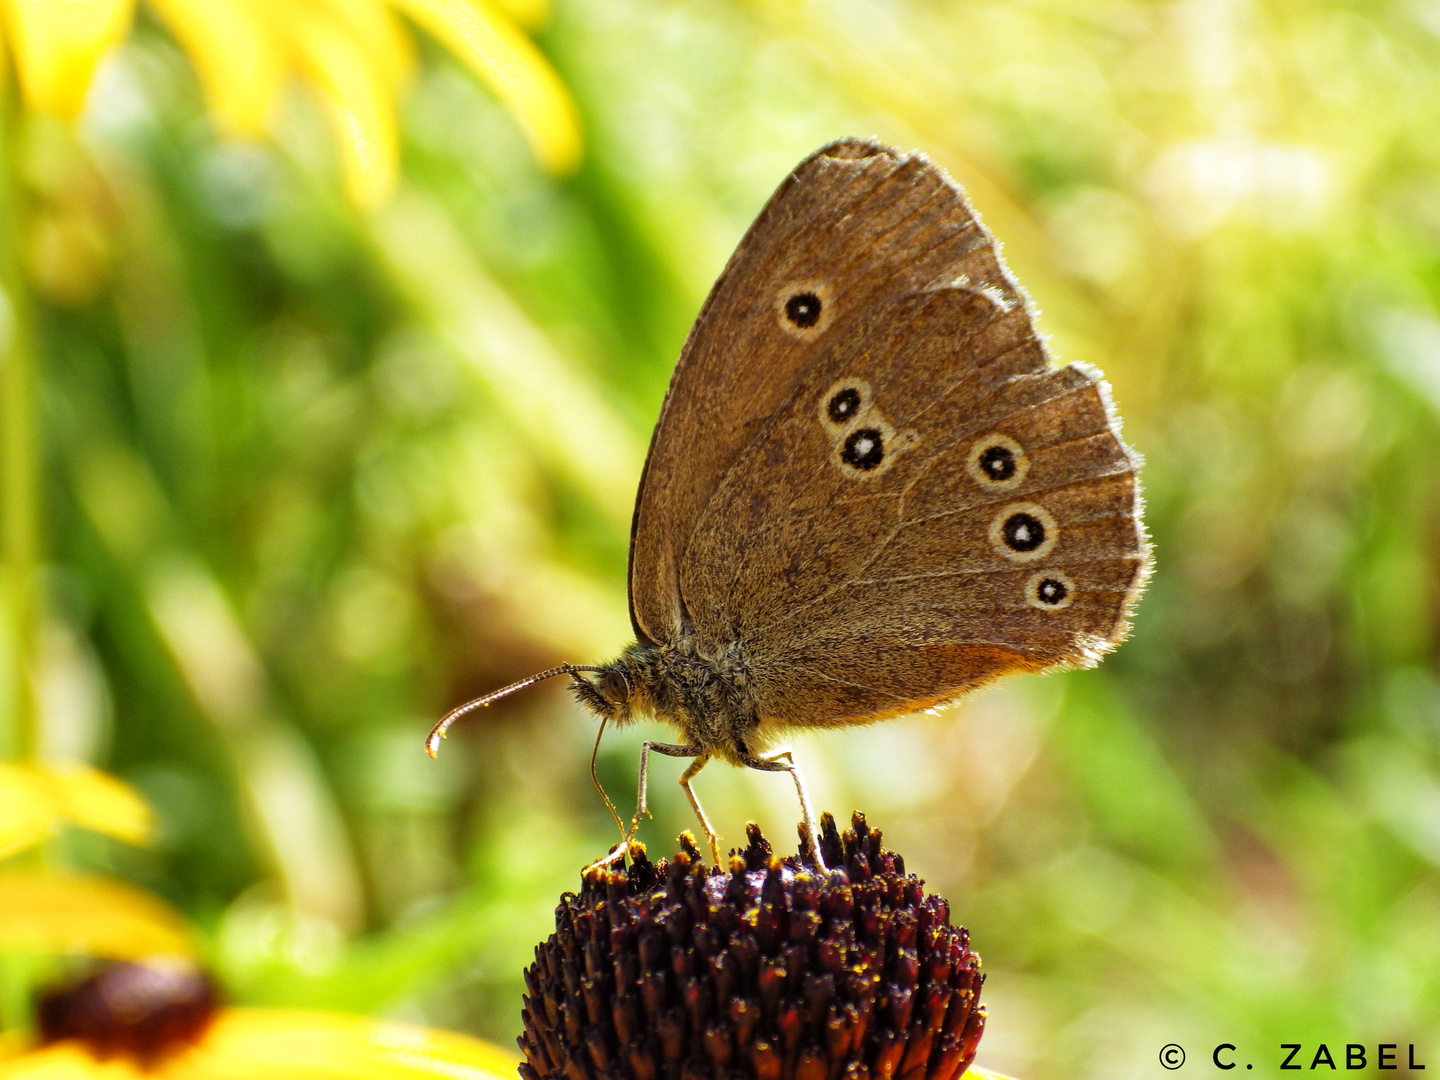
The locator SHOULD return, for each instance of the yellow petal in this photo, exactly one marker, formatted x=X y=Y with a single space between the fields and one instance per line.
x=27 y=811
x=280 y=1044
x=35 y=800
x=495 y=49
x=95 y=800
x=58 y=43
x=361 y=109
x=984 y=1074
x=239 y=63
x=92 y=916
x=530 y=14
x=66 y=1062
x=376 y=32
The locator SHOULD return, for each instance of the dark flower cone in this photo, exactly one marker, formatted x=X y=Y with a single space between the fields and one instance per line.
x=769 y=971
x=142 y=1011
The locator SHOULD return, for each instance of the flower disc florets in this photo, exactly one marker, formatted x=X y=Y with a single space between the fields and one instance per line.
x=143 y=1011
x=769 y=971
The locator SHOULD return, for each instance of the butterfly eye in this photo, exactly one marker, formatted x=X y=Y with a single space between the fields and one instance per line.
x=1024 y=532
x=1049 y=590
x=803 y=309
x=997 y=462
x=615 y=687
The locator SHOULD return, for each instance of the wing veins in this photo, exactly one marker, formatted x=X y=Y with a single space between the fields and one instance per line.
x=935 y=574
x=847 y=682
x=967 y=432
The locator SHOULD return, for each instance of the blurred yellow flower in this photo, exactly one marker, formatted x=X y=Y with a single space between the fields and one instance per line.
x=278 y=1044
x=49 y=912
x=355 y=54
x=154 y=1013
x=76 y=914
x=162 y=1020
x=35 y=800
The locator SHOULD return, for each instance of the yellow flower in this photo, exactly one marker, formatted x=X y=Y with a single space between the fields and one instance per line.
x=155 y=1013
x=355 y=55
x=161 y=1020
x=35 y=800
x=46 y=911
x=277 y=1044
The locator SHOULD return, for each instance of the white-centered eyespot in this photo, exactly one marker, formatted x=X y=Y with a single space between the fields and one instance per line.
x=997 y=462
x=805 y=308
x=843 y=404
x=1049 y=590
x=1024 y=532
x=871 y=447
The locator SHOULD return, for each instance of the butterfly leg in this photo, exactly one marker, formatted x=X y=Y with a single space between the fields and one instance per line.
x=685 y=778
x=642 y=808
x=641 y=803
x=784 y=761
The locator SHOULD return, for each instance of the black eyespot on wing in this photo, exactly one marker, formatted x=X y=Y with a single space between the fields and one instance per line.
x=864 y=449
x=1052 y=591
x=1023 y=532
x=803 y=309
x=843 y=405
x=998 y=463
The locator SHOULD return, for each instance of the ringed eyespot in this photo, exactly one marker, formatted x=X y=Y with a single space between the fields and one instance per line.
x=1023 y=532
x=846 y=404
x=1049 y=590
x=997 y=462
x=804 y=308
x=864 y=448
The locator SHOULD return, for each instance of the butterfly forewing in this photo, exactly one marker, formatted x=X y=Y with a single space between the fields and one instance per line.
x=855 y=226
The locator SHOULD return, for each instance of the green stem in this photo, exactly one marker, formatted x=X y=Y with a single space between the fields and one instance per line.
x=19 y=460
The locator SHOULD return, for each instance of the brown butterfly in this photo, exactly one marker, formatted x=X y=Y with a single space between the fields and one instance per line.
x=869 y=490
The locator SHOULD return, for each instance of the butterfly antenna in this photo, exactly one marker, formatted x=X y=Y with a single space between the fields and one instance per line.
x=432 y=743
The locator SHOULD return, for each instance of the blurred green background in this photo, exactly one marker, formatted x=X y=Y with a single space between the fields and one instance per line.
x=310 y=475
